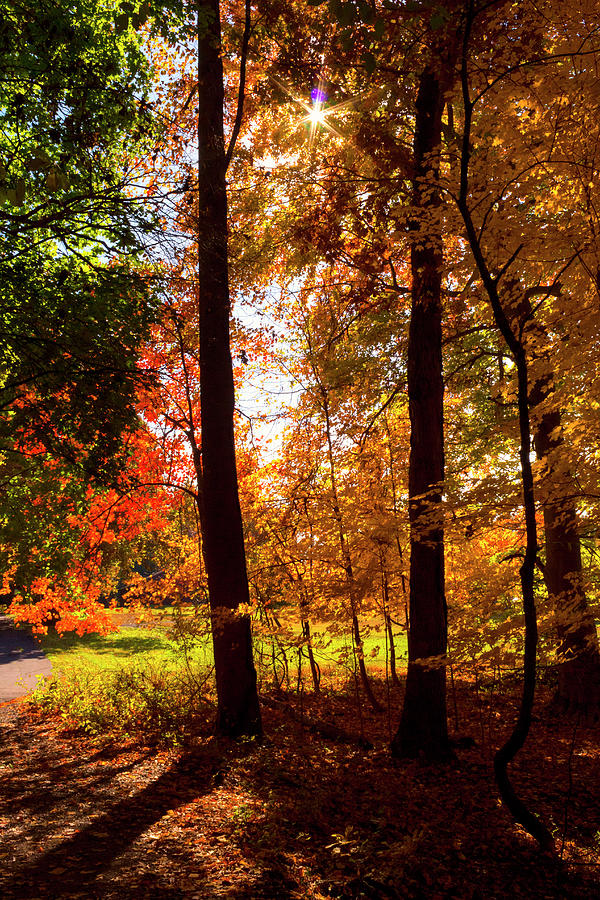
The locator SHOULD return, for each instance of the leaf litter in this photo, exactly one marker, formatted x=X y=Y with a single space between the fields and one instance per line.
x=297 y=816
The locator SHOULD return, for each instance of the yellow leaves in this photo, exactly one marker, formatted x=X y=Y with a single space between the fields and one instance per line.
x=430 y=663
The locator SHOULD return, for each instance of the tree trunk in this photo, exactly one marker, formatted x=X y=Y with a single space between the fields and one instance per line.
x=506 y=754
x=516 y=741
x=423 y=725
x=315 y=671
x=396 y=528
x=579 y=654
x=385 y=596
x=357 y=642
x=238 y=710
x=393 y=670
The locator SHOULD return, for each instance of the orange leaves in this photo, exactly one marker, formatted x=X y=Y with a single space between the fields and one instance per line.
x=67 y=606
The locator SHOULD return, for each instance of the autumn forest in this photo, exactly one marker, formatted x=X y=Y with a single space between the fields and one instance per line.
x=299 y=448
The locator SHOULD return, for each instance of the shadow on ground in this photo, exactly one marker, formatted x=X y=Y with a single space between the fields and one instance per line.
x=300 y=816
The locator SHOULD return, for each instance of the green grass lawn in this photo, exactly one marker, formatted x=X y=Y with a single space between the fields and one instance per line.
x=135 y=681
x=150 y=646
x=153 y=646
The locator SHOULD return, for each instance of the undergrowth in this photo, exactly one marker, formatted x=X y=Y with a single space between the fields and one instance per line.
x=155 y=705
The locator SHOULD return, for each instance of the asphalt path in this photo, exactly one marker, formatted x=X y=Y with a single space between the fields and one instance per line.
x=21 y=661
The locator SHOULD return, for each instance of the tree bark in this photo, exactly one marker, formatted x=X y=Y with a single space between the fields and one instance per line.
x=390 y=632
x=579 y=653
x=315 y=671
x=516 y=741
x=238 y=711
x=423 y=725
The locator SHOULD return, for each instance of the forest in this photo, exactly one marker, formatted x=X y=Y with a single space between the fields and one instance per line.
x=299 y=447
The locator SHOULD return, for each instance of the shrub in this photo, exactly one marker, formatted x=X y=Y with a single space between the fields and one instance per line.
x=158 y=706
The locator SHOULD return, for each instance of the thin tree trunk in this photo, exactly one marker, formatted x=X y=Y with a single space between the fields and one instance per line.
x=303 y=604
x=396 y=527
x=347 y=563
x=385 y=590
x=238 y=710
x=314 y=666
x=517 y=739
x=423 y=725
x=393 y=670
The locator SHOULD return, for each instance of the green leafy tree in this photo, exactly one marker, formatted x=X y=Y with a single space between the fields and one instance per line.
x=76 y=129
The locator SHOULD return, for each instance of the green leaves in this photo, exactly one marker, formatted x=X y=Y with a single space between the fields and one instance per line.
x=38 y=161
x=121 y=23
x=15 y=196
x=15 y=190
x=69 y=109
x=71 y=116
x=439 y=18
x=56 y=180
x=130 y=15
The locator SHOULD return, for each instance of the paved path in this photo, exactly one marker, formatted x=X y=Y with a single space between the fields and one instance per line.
x=21 y=661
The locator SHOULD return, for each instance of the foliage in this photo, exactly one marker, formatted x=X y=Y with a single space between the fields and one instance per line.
x=75 y=304
x=102 y=386
x=156 y=705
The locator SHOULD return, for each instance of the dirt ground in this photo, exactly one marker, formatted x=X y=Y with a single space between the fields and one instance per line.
x=297 y=816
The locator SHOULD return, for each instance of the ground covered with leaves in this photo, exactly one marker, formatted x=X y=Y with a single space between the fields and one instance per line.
x=299 y=815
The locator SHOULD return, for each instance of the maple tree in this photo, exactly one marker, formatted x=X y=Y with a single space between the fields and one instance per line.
x=74 y=303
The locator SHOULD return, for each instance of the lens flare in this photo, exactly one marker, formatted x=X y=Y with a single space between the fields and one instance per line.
x=318 y=96
x=318 y=117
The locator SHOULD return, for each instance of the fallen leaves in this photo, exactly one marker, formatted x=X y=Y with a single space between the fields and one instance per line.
x=295 y=817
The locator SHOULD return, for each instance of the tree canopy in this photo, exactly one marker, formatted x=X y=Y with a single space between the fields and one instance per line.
x=315 y=289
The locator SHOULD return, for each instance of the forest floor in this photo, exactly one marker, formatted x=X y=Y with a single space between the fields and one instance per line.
x=297 y=816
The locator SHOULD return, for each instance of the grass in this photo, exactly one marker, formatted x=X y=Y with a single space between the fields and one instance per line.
x=374 y=646
x=153 y=646
x=129 y=645
x=135 y=681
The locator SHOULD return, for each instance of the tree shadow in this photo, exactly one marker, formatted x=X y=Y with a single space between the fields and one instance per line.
x=57 y=774
x=74 y=865
x=19 y=645
x=362 y=824
x=369 y=826
x=125 y=646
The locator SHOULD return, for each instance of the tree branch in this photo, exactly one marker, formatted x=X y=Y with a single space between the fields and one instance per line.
x=240 y=104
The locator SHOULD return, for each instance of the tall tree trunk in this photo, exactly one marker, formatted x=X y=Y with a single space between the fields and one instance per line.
x=423 y=725
x=314 y=666
x=390 y=632
x=385 y=597
x=238 y=711
x=579 y=652
x=396 y=526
